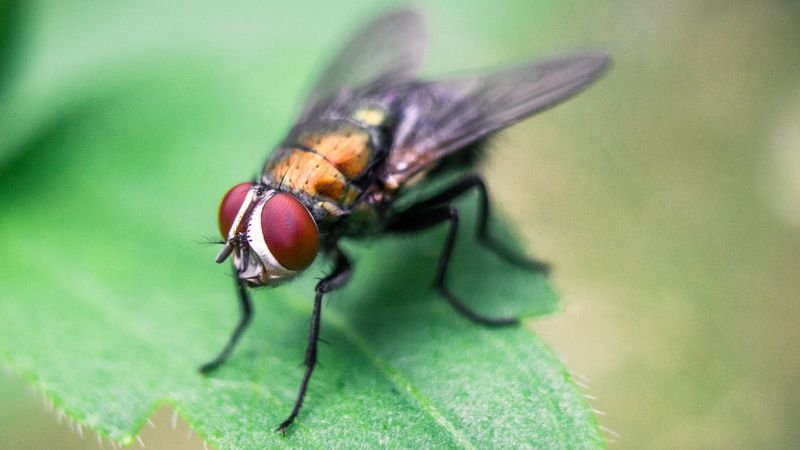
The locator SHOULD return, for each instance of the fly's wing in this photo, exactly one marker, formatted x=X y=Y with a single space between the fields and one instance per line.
x=442 y=117
x=388 y=51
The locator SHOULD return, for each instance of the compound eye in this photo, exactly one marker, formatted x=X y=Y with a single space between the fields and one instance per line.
x=230 y=206
x=289 y=231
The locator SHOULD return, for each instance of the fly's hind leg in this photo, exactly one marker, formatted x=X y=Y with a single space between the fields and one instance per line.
x=464 y=186
x=417 y=219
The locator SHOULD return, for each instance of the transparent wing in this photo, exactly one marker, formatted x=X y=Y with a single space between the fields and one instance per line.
x=443 y=117
x=387 y=51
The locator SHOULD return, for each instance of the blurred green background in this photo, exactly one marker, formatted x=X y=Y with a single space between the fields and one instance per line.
x=667 y=197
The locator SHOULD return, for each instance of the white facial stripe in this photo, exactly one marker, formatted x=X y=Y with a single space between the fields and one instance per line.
x=253 y=264
x=248 y=199
x=255 y=237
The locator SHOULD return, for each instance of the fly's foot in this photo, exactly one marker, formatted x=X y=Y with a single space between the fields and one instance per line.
x=207 y=368
x=284 y=426
x=494 y=322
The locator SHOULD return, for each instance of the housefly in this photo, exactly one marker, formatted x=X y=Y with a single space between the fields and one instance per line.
x=368 y=133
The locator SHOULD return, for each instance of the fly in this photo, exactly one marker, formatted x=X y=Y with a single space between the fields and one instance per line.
x=369 y=131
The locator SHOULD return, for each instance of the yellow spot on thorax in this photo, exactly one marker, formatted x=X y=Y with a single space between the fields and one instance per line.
x=370 y=116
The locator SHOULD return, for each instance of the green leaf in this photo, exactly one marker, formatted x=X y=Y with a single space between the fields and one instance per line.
x=109 y=304
x=10 y=22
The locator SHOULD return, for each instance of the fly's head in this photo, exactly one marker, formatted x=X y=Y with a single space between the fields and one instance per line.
x=271 y=235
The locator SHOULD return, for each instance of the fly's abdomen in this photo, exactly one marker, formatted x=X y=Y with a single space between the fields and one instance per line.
x=324 y=163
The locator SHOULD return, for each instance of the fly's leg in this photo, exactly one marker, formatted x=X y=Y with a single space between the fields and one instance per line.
x=338 y=278
x=417 y=219
x=463 y=186
x=244 y=321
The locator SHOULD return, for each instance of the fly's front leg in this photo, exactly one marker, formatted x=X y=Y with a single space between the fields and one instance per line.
x=417 y=219
x=244 y=320
x=338 y=278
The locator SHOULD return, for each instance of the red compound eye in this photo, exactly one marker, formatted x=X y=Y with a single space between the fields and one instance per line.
x=289 y=231
x=230 y=207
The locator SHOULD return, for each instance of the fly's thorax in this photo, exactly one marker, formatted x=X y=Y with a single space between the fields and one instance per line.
x=329 y=163
x=311 y=176
x=272 y=235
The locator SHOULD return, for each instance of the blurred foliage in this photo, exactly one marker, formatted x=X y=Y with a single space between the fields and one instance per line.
x=666 y=197
x=10 y=21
